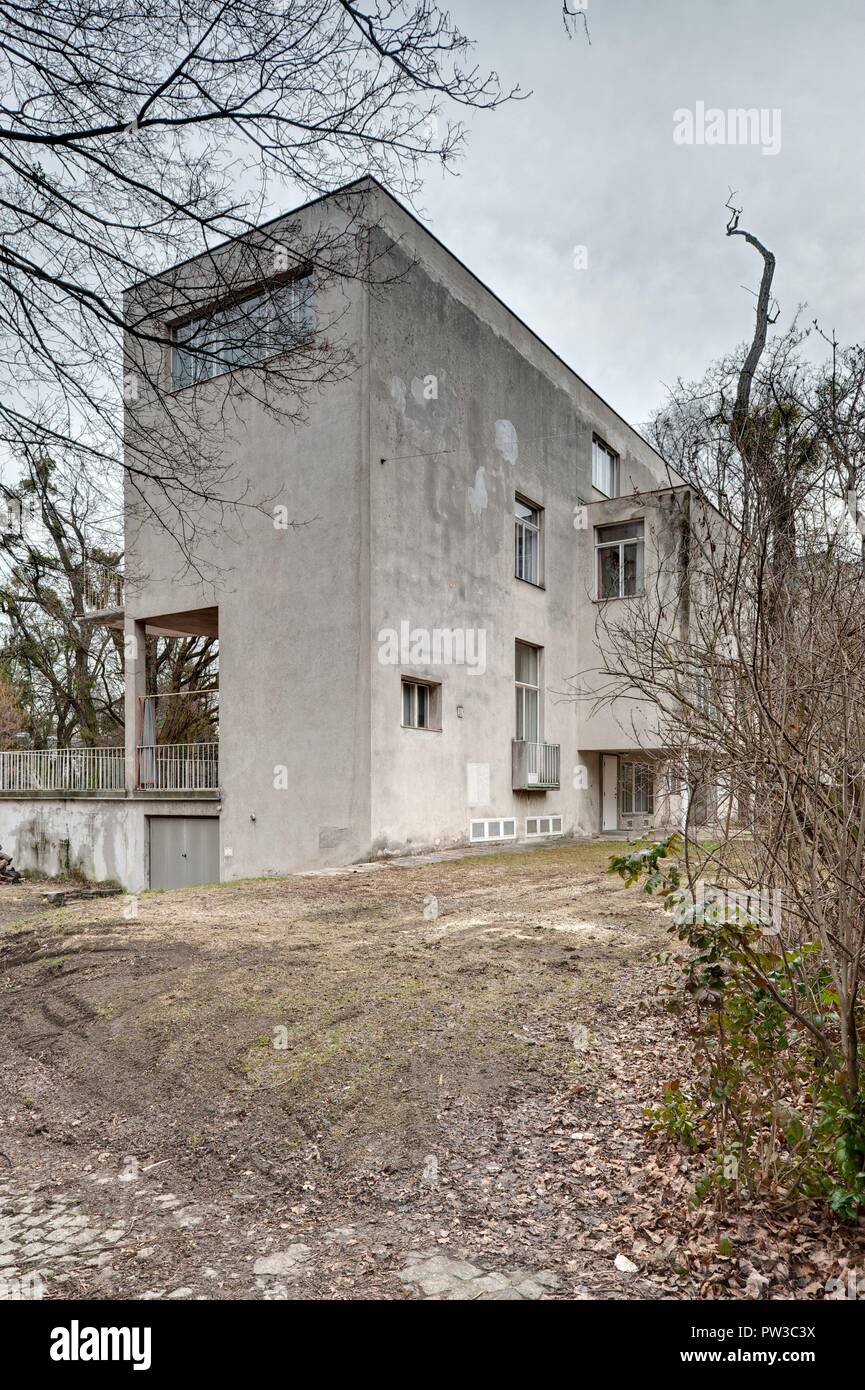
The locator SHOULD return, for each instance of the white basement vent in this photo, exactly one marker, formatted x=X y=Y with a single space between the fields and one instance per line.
x=492 y=830
x=543 y=825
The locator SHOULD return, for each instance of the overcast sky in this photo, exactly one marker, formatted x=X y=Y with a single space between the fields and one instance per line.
x=589 y=160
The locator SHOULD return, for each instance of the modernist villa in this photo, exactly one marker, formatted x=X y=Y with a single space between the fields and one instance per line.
x=397 y=671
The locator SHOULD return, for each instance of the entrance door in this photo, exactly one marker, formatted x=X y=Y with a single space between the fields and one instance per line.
x=610 y=792
x=184 y=850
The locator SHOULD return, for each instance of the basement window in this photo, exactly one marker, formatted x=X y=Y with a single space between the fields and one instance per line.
x=421 y=705
x=482 y=830
x=543 y=825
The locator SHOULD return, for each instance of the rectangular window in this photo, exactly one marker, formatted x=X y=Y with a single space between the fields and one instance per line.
x=620 y=551
x=605 y=469
x=527 y=681
x=241 y=334
x=492 y=830
x=527 y=541
x=543 y=825
x=636 y=788
x=420 y=705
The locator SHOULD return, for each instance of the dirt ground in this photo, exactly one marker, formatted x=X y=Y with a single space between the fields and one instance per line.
x=417 y=1079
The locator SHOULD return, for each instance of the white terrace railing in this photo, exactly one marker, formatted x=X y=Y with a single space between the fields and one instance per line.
x=162 y=767
x=62 y=770
x=178 y=767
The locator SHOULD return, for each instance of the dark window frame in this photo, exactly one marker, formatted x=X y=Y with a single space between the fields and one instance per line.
x=620 y=544
x=524 y=526
x=599 y=444
x=412 y=686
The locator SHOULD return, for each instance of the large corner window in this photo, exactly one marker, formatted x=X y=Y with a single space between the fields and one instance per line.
x=241 y=334
x=527 y=541
x=636 y=788
x=620 y=560
x=527 y=681
x=605 y=468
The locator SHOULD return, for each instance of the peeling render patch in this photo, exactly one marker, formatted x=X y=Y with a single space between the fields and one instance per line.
x=506 y=441
x=397 y=392
x=333 y=836
x=478 y=494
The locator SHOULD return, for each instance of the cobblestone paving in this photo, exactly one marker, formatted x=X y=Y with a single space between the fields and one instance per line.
x=49 y=1245
x=438 y=1276
x=48 y=1237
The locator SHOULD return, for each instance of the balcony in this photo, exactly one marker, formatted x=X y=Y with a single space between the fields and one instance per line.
x=162 y=767
x=535 y=766
x=103 y=588
x=178 y=767
x=28 y=771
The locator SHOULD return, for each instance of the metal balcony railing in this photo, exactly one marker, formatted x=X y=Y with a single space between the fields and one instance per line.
x=103 y=587
x=178 y=767
x=62 y=770
x=535 y=765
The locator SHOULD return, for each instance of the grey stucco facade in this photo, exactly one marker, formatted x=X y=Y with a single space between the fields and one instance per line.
x=400 y=486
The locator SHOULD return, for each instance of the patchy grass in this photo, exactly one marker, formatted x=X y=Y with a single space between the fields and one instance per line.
x=515 y=1037
x=377 y=1001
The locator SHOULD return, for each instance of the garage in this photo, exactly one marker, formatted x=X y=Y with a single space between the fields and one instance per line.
x=184 y=850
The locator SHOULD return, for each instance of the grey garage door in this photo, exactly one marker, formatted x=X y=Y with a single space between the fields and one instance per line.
x=183 y=850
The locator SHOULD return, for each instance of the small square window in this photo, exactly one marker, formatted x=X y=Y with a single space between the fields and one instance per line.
x=421 y=705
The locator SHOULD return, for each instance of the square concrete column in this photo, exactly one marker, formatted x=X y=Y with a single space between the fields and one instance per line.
x=135 y=663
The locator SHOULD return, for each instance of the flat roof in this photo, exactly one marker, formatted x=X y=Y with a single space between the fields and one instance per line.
x=369 y=179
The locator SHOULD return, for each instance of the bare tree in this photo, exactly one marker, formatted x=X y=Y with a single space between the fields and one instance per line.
x=66 y=671
x=11 y=714
x=134 y=138
x=749 y=644
x=575 y=18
